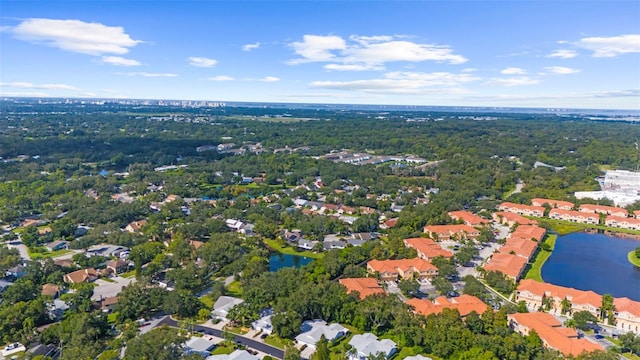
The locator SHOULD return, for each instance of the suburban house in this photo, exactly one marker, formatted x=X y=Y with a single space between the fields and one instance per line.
x=313 y=330
x=236 y=355
x=223 y=305
x=529 y=232
x=363 y=286
x=427 y=249
x=601 y=209
x=134 y=226
x=50 y=290
x=107 y=250
x=222 y=148
x=118 y=266
x=574 y=216
x=65 y=263
x=509 y=264
x=622 y=222
x=57 y=245
x=446 y=232
x=533 y=294
x=557 y=204
x=468 y=218
x=80 y=276
x=627 y=315
x=511 y=219
x=108 y=304
x=263 y=324
x=392 y=270
x=200 y=345
x=551 y=332
x=367 y=345
x=465 y=304
x=525 y=210
x=387 y=224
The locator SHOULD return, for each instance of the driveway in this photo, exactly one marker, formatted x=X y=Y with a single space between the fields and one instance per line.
x=22 y=248
x=108 y=289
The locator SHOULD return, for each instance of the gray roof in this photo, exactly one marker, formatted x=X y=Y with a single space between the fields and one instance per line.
x=224 y=304
x=236 y=355
x=199 y=345
x=312 y=331
x=368 y=344
x=417 y=357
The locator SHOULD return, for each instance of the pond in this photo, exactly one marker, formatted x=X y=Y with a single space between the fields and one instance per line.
x=594 y=262
x=279 y=261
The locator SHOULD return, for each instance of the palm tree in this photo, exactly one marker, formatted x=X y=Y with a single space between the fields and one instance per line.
x=547 y=303
x=565 y=306
x=607 y=308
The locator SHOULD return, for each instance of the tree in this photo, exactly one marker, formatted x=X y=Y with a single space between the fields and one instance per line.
x=182 y=303
x=583 y=319
x=565 y=306
x=291 y=353
x=159 y=344
x=442 y=285
x=8 y=258
x=607 y=308
x=408 y=287
x=630 y=342
x=322 y=350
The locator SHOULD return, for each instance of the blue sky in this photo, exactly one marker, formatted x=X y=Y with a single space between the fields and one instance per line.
x=558 y=54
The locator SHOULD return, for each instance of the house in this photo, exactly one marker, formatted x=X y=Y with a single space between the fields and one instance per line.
x=574 y=216
x=313 y=330
x=263 y=324
x=622 y=222
x=392 y=270
x=79 y=276
x=118 y=266
x=223 y=305
x=307 y=244
x=551 y=332
x=627 y=313
x=108 y=304
x=525 y=248
x=529 y=232
x=468 y=218
x=363 y=286
x=388 y=224
x=17 y=271
x=200 y=345
x=367 y=345
x=511 y=219
x=236 y=355
x=446 y=232
x=465 y=304
x=508 y=264
x=56 y=309
x=134 y=227
x=525 y=210
x=601 y=209
x=557 y=204
x=427 y=249
x=418 y=357
x=50 y=290
x=222 y=148
x=533 y=294
x=65 y=263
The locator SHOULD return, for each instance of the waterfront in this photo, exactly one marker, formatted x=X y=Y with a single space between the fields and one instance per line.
x=279 y=261
x=595 y=262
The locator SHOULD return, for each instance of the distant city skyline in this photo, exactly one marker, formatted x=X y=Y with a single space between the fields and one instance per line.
x=562 y=54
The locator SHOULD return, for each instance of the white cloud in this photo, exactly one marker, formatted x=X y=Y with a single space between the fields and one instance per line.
x=221 y=78
x=24 y=93
x=563 y=54
x=469 y=70
x=28 y=85
x=119 y=61
x=147 y=74
x=611 y=46
x=402 y=82
x=249 y=47
x=561 y=70
x=202 y=61
x=513 y=81
x=75 y=35
x=269 y=79
x=513 y=71
x=368 y=52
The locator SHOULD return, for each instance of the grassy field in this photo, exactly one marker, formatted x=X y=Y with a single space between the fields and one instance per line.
x=535 y=272
x=291 y=251
x=207 y=301
x=566 y=227
x=234 y=289
x=46 y=254
x=633 y=258
x=276 y=341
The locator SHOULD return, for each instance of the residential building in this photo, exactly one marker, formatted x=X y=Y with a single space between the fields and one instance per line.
x=387 y=224
x=446 y=232
x=367 y=345
x=313 y=330
x=557 y=204
x=622 y=222
x=200 y=345
x=511 y=219
x=525 y=248
x=118 y=266
x=57 y=245
x=468 y=218
x=108 y=304
x=236 y=355
x=80 y=276
x=533 y=294
x=509 y=264
x=223 y=305
x=529 y=232
x=427 y=249
x=50 y=290
x=627 y=315
x=465 y=304
x=601 y=209
x=392 y=270
x=263 y=324
x=363 y=286
x=134 y=227
x=551 y=332
x=574 y=216
x=525 y=210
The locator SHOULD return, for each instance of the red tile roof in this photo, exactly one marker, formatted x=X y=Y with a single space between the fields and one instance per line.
x=465 y=304
x=577 y=297
x=519 y=246
x=513 y=218
x=364 y=286
x=404 y=265
x=567 y=205
x=602 y=209
x=469 y=218
x=529 y=232
x=627 y=305
x=427 y=248
x=506 y=206
x=448 y=230
x=508 y=264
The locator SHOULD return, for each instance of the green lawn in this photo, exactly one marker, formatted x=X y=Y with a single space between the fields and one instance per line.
x=566 y=227
x=128 y=274
x=535 y=272
x=223 y=350
x=276 y=341
x=633 y=258
x=234 y=289
x=291 y=251
x=46 y=254
x=207 y=301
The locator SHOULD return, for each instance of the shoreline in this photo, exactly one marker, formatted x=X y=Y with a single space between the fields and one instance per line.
x=633 y=259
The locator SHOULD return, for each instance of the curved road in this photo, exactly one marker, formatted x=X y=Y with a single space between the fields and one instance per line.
x=267 y=349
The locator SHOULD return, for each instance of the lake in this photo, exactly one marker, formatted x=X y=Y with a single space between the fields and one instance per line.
x=594 y=262
x=279 y=261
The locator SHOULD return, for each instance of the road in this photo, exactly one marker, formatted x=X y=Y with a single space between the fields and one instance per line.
x=22 y=248
x=519 y=186
x=267 y=349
